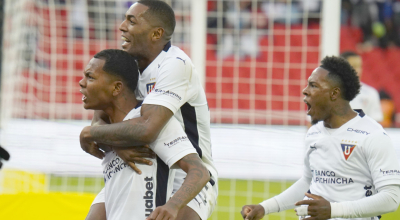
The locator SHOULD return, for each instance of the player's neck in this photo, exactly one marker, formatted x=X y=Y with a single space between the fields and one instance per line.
x=120 y=107
x=151 y=55
x=340 y=115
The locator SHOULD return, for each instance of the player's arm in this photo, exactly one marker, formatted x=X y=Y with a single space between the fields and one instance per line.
x=386 y=200
x=281 y=202
x=381 y=156
x=126 y=134
x=197 y=177
x=134 y=132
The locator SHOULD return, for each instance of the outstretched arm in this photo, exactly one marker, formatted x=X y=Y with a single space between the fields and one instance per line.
x=283 y=201
x=197 y=177
x=386 y=200
x=133 y=132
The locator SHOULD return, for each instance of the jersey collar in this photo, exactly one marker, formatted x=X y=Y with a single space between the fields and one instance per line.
x=158 y=59
x=345 y=125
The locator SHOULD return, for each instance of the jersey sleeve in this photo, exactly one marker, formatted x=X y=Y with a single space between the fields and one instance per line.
x=172 y=84
x=382 y=160
x=172 y=144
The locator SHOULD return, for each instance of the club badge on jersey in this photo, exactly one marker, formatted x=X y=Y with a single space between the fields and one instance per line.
x=150 y=87
x=348 y=148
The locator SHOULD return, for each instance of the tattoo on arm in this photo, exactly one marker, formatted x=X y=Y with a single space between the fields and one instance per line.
x=136 y=131
x=197 y=177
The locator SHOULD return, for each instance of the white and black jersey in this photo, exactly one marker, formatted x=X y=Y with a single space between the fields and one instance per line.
x=171 y=80
x=351 y=162
x=130 y=196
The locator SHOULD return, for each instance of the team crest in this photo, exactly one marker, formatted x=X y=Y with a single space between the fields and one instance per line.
x=150 y=87
x=347 y=150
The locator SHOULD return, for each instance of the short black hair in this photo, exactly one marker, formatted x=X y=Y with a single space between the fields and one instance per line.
x=120 y=64
x=348 y=54
x=161 y=14
x=344 y=74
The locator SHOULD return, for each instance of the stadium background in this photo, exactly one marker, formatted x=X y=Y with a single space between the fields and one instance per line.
x=254 y=56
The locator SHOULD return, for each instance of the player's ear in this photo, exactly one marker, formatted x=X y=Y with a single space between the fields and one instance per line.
x=118 y=85
x=335 y=93
x=158 y=33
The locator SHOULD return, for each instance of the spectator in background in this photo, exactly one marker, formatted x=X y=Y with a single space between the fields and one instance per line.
x=388 y=109
x=368 y=98
x=281 y=11
x=379 y=21
x=79 y=17
x=240 y=20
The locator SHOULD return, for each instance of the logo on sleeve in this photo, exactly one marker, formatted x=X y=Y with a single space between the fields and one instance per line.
x=348 y=149
x=150 y=87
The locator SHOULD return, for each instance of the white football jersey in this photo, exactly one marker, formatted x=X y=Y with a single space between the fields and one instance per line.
x=130 y=196
x=351 y=162
x=171 y=80
x=368 y=100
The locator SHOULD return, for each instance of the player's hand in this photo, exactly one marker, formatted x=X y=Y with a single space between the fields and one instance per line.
x=133 y=155
x=165 y=212
x=88 y=145
x=252 y=212
x=318 y=208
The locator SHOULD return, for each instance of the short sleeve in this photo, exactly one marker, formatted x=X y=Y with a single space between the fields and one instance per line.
x=172 y=143
x=100 y=198
x=382 y=160
x=172 y=84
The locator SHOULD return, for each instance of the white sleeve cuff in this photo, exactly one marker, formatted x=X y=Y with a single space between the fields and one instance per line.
x=270 y=206
x=336 y=210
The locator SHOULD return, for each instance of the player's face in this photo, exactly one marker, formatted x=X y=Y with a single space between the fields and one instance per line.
x=96 y=86
x=317 y=95
x=136 y=31
x=356 y=63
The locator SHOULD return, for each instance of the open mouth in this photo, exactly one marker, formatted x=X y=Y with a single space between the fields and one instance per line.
x=83 y=96
x=308 y=106
x=126 y=41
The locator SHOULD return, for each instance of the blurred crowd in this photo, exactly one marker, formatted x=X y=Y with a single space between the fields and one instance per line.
x=379 y=20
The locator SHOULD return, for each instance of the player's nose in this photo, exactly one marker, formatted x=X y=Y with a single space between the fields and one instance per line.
x=305 y=91
x=81 y=83
x=122 y=26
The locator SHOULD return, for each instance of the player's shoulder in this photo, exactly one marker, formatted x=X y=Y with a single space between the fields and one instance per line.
x=367 y=125
x=175 y=56
x=315 y=129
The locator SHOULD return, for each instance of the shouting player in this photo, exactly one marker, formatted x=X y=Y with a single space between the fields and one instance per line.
x=170 y=87
x=109 y=83
x=351 y=170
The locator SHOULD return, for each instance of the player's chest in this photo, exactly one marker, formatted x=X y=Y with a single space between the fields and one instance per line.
x=340 y=153
x=147 y=82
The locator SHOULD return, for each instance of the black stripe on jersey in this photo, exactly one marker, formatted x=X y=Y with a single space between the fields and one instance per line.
x=360 y=112
x=139 y=103
x=167 y=46
x=190 y=122
x=162 y=182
